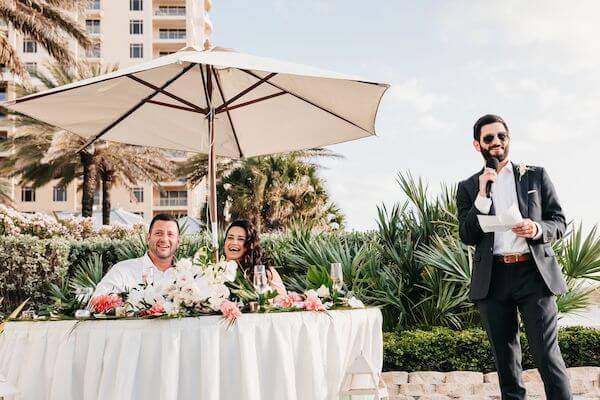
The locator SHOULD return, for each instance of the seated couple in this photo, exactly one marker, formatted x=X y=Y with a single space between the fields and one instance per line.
x=241 y=245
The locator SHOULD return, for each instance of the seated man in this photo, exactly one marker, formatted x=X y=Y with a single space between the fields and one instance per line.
x=153 y=267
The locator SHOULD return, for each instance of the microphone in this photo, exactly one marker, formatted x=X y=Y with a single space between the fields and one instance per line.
x=492 y=163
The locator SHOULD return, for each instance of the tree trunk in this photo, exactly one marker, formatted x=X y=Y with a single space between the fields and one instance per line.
x=90 y=183
x=107 y=181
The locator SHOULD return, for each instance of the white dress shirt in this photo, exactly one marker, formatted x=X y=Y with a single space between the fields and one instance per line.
x=504 y=195
x=129 y=274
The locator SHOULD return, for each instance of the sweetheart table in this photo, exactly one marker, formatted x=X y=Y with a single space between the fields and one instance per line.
x=292 y=356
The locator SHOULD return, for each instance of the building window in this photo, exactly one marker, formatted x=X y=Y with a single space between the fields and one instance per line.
x=173 y=198
x=136 y=27
x=27 y=194
x=31 y=67
x=136 y=5
x=3 y=136
x=164 y=11
x=29 y=46
x=171 y=34
x=94 y=51
x=3 y=95
x=136 y=50
x=138 y=195
x=97 y=198
x=92 y=26
x=59 y=193
x=93 y=5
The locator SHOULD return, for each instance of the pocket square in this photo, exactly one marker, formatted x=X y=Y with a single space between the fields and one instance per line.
x=532 y=191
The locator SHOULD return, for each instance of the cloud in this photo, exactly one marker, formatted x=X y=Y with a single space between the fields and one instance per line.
x=536 y=28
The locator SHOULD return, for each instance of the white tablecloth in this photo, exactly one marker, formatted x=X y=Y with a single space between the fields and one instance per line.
x=283 y=356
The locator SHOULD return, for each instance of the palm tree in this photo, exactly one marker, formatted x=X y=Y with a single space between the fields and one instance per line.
x=43 y=153
x=5 y=191
x=48 y=23
x=274 y=192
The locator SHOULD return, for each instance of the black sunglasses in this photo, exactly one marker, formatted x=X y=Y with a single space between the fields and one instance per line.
x=502 y=136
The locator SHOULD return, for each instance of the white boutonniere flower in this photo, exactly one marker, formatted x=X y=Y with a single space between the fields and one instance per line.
x=522 y=169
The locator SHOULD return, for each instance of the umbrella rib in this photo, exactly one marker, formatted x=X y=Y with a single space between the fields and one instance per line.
x=247 y=103
x=169 y=94
x=133 y=109
x=247 y=90
x=307 y=101
x=160 y=103
x=235 y=136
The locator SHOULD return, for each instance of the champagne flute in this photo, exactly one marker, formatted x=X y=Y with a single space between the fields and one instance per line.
x=260 y=279
x=337 y=276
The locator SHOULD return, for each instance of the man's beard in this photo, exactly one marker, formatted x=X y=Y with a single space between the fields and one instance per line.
x=487 y=155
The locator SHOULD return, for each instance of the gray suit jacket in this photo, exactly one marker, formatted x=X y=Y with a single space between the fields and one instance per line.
x=538 y=202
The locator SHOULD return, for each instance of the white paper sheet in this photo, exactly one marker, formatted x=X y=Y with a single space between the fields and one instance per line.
x=501 y=222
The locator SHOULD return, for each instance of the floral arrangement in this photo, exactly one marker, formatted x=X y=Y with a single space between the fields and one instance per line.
x=200 y=287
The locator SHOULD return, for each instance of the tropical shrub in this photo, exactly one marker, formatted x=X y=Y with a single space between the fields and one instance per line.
x=28 y=265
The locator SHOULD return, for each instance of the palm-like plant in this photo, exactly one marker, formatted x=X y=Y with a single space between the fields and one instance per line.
x=45 y=21
x=5 y=188
x=42 y=153
x=271 y=191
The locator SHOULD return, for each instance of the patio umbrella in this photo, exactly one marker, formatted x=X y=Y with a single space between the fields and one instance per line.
x=217 y=102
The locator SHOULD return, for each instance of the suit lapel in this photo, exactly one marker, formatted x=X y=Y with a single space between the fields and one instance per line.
x=522 y=186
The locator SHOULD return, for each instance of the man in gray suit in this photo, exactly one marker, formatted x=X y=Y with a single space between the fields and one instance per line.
x=515 y=272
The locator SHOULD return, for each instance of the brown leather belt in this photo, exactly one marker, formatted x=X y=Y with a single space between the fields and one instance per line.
x=512 y=258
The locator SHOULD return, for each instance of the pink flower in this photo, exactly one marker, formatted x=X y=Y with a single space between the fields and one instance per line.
x=106 y=302
x=313 y=303
x=287 y=300
x=295 y=297
x=155 y=309
x=230 y=310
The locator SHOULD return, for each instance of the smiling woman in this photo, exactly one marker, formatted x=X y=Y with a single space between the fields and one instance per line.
x=242 y=245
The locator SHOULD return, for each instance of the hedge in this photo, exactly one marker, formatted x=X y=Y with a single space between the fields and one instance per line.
x=443 y=349
x=27 y=265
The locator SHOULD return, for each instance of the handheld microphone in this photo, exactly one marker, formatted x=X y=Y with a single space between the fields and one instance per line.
x=492 y=163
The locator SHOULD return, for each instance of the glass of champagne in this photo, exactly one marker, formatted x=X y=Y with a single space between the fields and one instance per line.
x=337 y=276
x=260 y=279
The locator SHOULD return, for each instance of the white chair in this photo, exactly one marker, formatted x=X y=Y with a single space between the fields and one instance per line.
x=362 y=380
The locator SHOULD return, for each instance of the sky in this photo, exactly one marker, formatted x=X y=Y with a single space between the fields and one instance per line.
x=536 y=63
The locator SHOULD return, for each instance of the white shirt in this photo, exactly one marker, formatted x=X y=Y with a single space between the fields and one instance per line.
x=129 y=274
x=504 y=195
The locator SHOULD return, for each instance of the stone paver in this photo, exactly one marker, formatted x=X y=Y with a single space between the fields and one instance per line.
x=462 y=385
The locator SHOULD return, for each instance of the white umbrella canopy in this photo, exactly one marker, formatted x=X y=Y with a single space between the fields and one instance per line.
x=218 y=102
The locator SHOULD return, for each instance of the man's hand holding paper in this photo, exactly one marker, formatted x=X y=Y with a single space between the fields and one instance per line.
x=501 y=222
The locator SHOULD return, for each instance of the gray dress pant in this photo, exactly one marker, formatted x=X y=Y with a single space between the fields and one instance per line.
x=520 y=287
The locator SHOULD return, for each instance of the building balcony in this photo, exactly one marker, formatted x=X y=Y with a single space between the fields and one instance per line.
x=169 y=13
x=94 y=8
x=170 y=38
x=169 y=203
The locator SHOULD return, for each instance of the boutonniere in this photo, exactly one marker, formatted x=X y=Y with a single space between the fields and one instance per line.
x=522 y=169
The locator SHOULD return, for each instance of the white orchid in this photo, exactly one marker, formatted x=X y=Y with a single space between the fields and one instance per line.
x=323 y=292
x=355 y=303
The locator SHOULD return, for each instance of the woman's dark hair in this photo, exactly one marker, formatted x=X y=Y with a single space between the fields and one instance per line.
x=253 y=254
x=485 y=120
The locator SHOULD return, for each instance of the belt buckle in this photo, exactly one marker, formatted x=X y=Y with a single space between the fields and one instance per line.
x=510 y=258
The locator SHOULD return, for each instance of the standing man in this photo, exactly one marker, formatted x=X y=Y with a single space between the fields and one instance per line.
x=515 y=271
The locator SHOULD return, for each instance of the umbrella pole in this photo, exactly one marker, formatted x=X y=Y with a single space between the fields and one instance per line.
x=212 y=168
